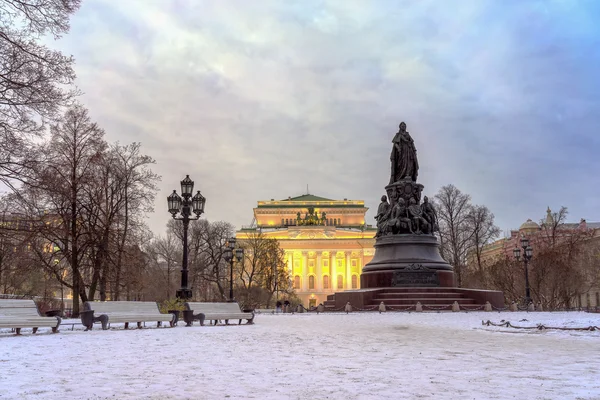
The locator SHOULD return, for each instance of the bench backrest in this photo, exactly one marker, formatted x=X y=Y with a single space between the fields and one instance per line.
x=129 y=307
x=201 y=307
x=25 y=308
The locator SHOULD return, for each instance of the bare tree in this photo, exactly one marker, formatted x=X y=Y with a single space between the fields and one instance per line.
x=165 y=252
x=138 y=190
x=208 y=267
x=76 y=145
x=453 y=210
x=33 y=79
x=480 y=221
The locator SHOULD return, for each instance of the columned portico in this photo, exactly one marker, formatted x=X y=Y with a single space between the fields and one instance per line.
x=316 y=233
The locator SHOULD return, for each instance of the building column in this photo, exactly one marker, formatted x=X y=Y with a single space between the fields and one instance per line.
x=290 y=262
x=305 y=271
x=319 y=273
x=333 y=271
x=348 y=282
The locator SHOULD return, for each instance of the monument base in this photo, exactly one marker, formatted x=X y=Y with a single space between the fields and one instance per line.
x=434 y=298
x=405 y=261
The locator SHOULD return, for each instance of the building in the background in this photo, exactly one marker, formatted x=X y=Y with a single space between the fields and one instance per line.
x=539 y=235
x=326 y=242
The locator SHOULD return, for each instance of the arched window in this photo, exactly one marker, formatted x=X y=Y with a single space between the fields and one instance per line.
x=340 y=284
x=297 y=282
x=325 y=281
x=354 y=281
x=282 y=223
x=311 y=282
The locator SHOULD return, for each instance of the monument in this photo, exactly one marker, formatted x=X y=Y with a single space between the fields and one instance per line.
x=406 y=248
x=407 y=267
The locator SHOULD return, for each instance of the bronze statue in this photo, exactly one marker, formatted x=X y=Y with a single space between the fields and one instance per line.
x=420 y=224
x=404 y=156
x=382 y=216
x=399 y=222
x=430 y=215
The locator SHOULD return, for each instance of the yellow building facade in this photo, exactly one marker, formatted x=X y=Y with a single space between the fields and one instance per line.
x=326 y=242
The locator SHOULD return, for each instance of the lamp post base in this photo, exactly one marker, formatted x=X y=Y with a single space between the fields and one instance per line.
x=184 y=294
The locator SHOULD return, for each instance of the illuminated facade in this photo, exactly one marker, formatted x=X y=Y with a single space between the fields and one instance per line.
x=326 y=242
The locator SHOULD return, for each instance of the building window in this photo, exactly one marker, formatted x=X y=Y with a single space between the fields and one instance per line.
x=297 y=282
x=354 y=281
x=353 y=263
x=340 y=284
x=325 y=282
x=597 y=299
x=282 y=223
x=311 y=282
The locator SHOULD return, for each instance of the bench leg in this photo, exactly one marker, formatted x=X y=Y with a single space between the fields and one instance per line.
x=55 y=329
x=34 y=330
x=158 y=324
x=251 y=321
x=17 y=331
x=226 y=322
x=126 y=325
x=139 y=324
x=240 y=322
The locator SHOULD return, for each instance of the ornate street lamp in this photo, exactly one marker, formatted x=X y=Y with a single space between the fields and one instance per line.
x=185 y=205
x=527 y=255
x=229 y=257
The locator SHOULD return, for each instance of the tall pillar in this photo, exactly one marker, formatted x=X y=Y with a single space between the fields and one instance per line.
x=319 y=273
x=348 y=280
x=333 y=269
x=305 y=271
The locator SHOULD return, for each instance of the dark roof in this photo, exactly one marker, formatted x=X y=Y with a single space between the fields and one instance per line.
x=307 y=197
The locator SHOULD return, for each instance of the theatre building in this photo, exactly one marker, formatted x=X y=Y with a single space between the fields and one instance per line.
x=326 y=242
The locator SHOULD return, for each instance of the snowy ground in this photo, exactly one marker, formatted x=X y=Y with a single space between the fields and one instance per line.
x=309 y=356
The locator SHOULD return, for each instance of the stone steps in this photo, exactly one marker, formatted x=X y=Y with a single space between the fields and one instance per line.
x=419 y=295
x=434 y=301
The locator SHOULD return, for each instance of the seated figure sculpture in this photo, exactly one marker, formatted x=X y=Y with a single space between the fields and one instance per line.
x=419 y=223
x=399 y=221
x=383 y=214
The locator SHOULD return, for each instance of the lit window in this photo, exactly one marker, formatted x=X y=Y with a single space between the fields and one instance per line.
x=297 y=282
x=325 y=282
x=354 y=282
x=311 y=282
x=340 y=284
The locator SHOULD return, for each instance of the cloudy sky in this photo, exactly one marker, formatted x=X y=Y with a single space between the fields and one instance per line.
x=256 y=99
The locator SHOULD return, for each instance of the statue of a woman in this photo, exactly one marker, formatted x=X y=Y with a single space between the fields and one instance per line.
x=404 y=156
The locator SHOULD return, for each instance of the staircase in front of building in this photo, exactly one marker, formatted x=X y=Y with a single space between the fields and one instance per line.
x=429 y=297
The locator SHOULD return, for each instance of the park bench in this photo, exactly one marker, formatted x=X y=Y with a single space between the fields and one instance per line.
x=218 y=311
x=126 y=312
x=17 y=314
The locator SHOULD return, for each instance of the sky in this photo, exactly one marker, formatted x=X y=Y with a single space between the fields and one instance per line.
x=255 y=100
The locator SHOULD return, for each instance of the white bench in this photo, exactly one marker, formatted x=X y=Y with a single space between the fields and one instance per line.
x=17 y=314
x=219 y=311
x=129 y=311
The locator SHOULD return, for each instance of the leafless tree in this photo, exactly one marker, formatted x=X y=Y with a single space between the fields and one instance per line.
x=34 y=80
x=480 y=221
x=453 y=209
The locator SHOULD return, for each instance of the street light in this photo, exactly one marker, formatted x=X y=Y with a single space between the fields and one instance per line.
x=185 y=205
x=229 y=252
x=527 y=254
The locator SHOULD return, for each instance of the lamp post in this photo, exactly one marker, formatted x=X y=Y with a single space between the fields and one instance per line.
x=229 y=257
x=527 y=254
x=185 y=205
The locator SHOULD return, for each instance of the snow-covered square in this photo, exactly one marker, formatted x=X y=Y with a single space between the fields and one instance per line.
x=309 y=356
